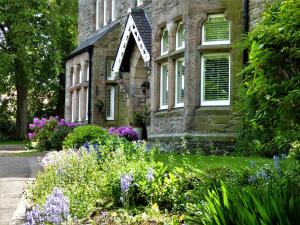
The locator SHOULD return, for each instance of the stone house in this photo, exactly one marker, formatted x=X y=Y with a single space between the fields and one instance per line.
x=178 y=58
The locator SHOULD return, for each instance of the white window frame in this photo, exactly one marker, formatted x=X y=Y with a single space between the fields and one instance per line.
x=215 y=42
x=79 y=104
x=139 y=3
x=87 y=104
x=113 y=10
x=217 y=102
x=113 y=74
x=161 y=106
x=97 y=14
x=181 y=104
x=112 y=104
x=105 y=20
x=162 y=43
x=183 y=46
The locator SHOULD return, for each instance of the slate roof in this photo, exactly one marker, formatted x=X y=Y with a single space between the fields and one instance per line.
x=143 y=26
x=93 y=39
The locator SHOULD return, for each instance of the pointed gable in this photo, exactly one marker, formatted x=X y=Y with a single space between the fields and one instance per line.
x=138 y=29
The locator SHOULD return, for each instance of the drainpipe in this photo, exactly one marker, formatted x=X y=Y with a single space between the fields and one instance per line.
x=246 y=28
x=90 y=51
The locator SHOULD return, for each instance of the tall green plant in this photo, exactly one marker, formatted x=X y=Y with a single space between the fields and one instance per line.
x=250 y=206
x=271 y=92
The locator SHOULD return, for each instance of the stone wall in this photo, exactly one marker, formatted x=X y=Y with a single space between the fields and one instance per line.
x=216 y=124
x=256 y=7
x=86 y=19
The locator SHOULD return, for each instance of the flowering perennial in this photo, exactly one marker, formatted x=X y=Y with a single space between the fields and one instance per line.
x=56 y=210
x=126 y=132
x=38 y=124
x=126 y=181
x=150 y=175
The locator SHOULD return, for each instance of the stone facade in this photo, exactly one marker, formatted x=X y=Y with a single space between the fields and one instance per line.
x=199 y=124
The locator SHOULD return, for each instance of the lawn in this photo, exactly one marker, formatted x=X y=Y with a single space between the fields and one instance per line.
x=210 y=162
x=13 y=142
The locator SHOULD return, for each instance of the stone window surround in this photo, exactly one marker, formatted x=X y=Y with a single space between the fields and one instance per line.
x=170 y=58
x=78 y=90
x=214 y=48
x=106 y=12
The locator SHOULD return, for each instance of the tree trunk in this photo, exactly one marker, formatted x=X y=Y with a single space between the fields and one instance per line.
x=60 y=109
x=22 y=94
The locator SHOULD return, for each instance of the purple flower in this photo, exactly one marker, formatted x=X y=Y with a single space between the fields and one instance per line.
x=126 y=132
x=56 y=207
x=31 y=135
x=36 y=216
x=150 y=175
x=126 y=181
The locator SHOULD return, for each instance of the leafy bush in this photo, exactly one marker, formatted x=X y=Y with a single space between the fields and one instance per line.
x=49 y=133
x=87 y=133
x=76 y=173
x=271 y=94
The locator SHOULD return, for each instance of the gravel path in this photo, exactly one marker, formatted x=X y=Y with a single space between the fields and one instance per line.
x=14 y=173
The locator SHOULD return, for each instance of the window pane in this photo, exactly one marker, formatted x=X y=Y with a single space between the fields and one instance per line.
x=165 y=43
x=180 y=82
x=180 y=36
x=216 y=29
x=110 y=103
x=216 y=78
x=164 y=85
x=109 y=72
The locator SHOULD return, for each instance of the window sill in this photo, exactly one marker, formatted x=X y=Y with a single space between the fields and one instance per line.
x=177 y=53
x=78 y=86
x=215 y=48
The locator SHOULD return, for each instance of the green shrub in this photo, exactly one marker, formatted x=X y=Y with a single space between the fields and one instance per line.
x=271 y=94
x=87 y=133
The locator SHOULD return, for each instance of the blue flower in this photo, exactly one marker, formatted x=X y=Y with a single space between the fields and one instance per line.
x=150 y=175
x=276 y=162
x=126 y=181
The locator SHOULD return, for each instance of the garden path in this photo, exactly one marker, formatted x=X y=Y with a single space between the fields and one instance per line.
x=14 y=173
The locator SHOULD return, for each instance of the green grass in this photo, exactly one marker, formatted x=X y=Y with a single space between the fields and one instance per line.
x=31 y=153
x=13 y=142
x=210 y=162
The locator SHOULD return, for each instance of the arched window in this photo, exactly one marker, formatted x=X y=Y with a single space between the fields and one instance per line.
x=165 y=43
x=180 y=36
x=139 y=2
x=216 y=30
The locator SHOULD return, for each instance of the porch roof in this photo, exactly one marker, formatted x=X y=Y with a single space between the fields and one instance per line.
x=138 y=29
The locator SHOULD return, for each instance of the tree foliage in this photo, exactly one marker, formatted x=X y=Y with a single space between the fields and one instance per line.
x=271 y=92
x=35 y=38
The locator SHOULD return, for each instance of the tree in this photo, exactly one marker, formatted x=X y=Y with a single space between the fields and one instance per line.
x=35 y=37
x=271 y=95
